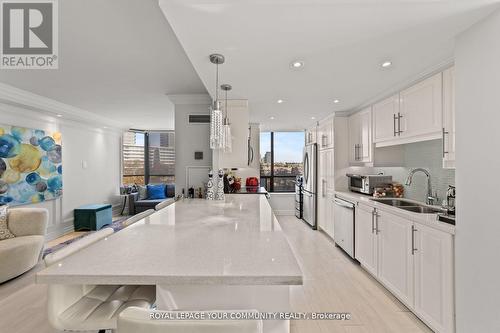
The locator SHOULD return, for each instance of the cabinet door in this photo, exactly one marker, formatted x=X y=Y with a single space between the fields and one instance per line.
x=354 y=138
x=330 y=222
x=421 y=108
x=384 y=114
x=254 y=147
x=325 y=134
x=365 y=128
x=365 y=249
x=322 y=188
x=449 y=118
x=395 y=259
x=434 y=278
x=238 y=115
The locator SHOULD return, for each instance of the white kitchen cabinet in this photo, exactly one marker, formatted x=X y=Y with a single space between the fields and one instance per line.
x=311 y=135
x=395 y=259
x=239 y=117
x=413 y=261
x=434 y=278
x=325 y=136
x=365 y=240
x=420 y=110
x=448 y=131
x=385 y=119
x=360 y=137
x=326 y=189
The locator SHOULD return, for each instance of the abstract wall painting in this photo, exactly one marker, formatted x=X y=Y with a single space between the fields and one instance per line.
x=30 y=165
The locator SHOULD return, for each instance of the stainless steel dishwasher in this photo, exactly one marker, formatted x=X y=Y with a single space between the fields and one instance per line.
x=344 y=225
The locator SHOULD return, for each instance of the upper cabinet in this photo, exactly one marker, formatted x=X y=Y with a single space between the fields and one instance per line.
x=421 y=108
x=238 y=115
x=325 y=133
x=415 y=114
x=311 y=135
x=385 y=122
x=360 y=137
x=448 y=130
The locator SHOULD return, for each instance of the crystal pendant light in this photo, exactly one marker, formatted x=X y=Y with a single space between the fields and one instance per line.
x=216 y=131
x=226 y=128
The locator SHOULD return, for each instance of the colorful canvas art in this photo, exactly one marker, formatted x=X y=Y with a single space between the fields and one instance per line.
x=30 y=165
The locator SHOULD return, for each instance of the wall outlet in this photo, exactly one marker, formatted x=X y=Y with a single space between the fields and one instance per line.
x=84 y=165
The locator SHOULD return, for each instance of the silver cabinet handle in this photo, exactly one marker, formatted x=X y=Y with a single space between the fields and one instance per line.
x=377 y=230
x=323 y=188
x=399 y=123
x=413 y=248
x=339 y=203
x=394 y=123
x=360 y=152
x=373 y=221
x=444 y=144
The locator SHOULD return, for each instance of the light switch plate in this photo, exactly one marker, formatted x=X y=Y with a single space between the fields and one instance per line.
x=84 y=165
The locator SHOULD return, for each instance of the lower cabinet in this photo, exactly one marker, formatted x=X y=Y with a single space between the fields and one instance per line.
x=434 y=278
x=395 y=259
x=413 y=261
x=365 y=246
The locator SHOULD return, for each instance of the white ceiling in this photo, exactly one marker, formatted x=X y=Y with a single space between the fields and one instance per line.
x=118 y=59
x=342 y=43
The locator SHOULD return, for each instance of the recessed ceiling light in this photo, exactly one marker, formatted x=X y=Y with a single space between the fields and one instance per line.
x=105 y=127
x=272 y=117
x=297 y=64
x=59 y=115
x=386 y=64
x=313 y=118
x=280 y=101
x=336 y=101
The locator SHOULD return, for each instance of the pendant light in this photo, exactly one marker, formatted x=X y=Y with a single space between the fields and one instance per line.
x=226 y=128
x=216 y=132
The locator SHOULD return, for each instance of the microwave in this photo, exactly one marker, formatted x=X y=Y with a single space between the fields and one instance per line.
x=366 y=184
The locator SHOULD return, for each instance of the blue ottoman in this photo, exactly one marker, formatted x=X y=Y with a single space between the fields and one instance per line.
x=92 y=217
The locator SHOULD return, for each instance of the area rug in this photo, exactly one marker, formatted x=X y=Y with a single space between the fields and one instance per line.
x=116 y=226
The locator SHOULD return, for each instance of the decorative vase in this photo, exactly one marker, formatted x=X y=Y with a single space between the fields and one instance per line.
x=219 y=195
x=210 y=186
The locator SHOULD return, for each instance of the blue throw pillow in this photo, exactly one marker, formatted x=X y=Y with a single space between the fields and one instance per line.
x=156 y=192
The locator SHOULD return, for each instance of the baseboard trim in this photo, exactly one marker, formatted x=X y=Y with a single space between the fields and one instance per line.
x=61 y=230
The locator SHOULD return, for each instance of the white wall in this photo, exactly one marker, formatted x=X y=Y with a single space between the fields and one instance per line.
x=188 y=139
x=99 y=183
x=477 y=246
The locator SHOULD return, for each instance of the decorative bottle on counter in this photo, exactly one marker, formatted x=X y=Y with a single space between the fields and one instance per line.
x=219 y=195
x=210 y=186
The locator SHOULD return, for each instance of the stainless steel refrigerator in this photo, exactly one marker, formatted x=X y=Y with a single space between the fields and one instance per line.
x=309 y=186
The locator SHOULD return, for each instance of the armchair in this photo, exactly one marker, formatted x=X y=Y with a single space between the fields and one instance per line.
x=21 y=253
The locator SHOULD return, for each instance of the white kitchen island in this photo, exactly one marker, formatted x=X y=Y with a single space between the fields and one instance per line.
x=210 y=255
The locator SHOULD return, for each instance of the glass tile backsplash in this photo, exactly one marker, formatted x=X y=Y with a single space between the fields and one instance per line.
x=427 y=155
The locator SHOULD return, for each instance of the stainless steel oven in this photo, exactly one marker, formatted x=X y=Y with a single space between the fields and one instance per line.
x=366 y=183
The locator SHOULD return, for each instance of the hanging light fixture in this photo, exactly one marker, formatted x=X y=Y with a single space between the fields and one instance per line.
x=226 y=128
x=216 y=131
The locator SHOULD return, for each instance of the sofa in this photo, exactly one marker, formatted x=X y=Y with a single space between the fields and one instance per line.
x=141 y=201
x=21 y=253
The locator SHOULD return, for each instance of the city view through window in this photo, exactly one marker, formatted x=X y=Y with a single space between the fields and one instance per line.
x=280 y=160
x=158 y=166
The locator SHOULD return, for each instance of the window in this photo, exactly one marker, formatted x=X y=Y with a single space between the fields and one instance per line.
x=280 y=160
x=148 y=157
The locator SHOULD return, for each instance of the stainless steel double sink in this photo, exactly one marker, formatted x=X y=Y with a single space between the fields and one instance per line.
x=411 y=206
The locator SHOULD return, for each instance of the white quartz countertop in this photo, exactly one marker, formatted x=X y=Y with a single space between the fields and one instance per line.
x=426 y=219
x=194 y=241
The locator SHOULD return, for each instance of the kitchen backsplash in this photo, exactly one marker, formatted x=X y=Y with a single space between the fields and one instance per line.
x=427 y=155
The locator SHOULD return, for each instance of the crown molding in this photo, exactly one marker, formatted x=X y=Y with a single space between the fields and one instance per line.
x=24 y=99
x=182 y=99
